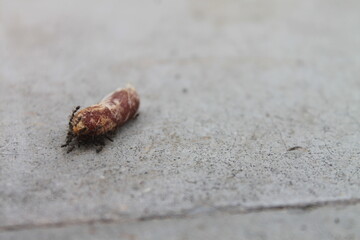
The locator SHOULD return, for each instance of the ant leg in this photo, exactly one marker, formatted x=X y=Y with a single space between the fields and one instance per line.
x=79 y=142
x=107 y=137
x=70 y=136
x=101 y=143
x=99 y=149
x=69 y=139
x=64 y=145
x=74 y=111
x=72 y=116
x=70 y=149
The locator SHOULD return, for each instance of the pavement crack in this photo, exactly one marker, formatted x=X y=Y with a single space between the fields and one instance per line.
x=299 y=206
x=190 y=213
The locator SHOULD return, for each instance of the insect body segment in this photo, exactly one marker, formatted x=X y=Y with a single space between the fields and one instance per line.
x=100 y=119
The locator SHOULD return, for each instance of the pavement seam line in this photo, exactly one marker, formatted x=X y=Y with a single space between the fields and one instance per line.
x=231 y=210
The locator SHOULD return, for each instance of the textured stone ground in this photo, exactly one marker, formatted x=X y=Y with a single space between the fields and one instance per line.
x=227 y=89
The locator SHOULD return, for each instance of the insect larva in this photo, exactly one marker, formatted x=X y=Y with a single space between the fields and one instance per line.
x=93 y=123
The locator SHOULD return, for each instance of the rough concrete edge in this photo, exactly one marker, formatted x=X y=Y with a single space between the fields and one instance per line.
x=190 y=213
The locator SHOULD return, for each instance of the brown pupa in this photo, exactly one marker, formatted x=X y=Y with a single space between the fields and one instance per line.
x=92 y=124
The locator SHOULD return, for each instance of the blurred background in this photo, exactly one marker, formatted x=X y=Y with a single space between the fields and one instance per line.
x=249 y=117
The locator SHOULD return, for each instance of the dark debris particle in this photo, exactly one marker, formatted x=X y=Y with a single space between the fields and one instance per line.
x=295 y=148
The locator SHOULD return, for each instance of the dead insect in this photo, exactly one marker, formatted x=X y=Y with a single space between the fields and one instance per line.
x=94 y=123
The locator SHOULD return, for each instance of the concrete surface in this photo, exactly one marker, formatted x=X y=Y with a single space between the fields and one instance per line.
x=227 y=88
x=325 y=223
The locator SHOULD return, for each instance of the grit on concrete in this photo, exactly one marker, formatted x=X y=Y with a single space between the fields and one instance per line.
x=249 y=125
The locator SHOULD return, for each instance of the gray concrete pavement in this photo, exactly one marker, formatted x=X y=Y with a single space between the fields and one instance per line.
x=331 y=223
x=227 y=88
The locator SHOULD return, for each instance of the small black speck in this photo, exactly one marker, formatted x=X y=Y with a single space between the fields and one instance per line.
x=295 y=148
x=184 y=90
